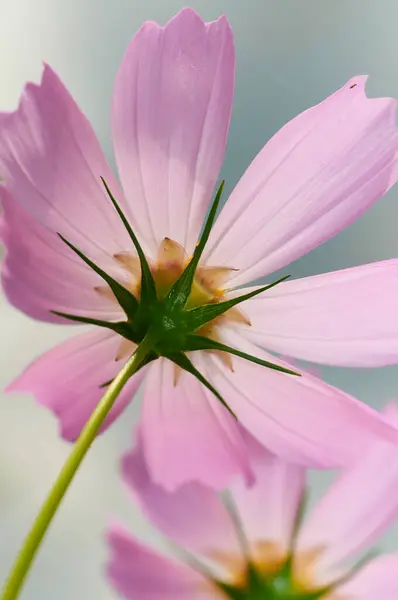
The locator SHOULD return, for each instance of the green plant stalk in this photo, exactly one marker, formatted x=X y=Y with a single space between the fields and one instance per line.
x=31 y=545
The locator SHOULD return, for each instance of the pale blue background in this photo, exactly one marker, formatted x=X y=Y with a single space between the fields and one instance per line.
x=291 y=54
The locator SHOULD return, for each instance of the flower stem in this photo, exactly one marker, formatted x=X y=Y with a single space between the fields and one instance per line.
x=23 y=562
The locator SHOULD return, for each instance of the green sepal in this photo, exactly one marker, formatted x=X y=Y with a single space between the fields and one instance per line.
x=126 y=299
x=233 y=512
x=197 y=342
x=256 y=588
x=287 y=568
x=199 y=316
x=230 y=591
x=148 y=287
x=179 y=293
x=120 y=327
x=281 y=587
x=298 y=519
x=182 y=360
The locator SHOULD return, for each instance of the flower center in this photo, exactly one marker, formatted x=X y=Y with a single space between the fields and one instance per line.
x=171 y=260
x=270 y=576
x=171 y=310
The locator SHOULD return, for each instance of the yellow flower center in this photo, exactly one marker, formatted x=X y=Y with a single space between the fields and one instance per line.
x=268 y=558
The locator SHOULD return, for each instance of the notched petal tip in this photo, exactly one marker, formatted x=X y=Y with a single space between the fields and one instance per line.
x=189 y=16
x=48 y=78
x=357 y=86
x=359 y=82
x=186 y=17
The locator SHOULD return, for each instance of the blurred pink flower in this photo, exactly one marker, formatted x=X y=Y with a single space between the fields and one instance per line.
x=261 y=542
x=170 y=117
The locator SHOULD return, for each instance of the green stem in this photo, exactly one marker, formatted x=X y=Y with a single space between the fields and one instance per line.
x=23 y=562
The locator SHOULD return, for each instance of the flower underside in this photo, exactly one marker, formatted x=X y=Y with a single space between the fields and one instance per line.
x=169 y=266
x=270 y=581
x=265 y=571
x=174 y=301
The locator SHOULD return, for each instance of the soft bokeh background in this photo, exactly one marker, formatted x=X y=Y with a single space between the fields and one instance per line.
x=290 y=55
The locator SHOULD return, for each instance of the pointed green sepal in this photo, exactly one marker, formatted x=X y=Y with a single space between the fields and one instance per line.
x=231 y=591
x=120 y=327
x=148 y=287
x=256 y=587
x=199 y=316
x=230 y=506
x=180 y=359
x=179 y=293
x=197 y=342
x=299 y=518
x=127 y=301
x=287 y=567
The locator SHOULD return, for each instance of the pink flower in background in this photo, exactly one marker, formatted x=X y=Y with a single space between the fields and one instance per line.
x=170 y=117
x=255 y=543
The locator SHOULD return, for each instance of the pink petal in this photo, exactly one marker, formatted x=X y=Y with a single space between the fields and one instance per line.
x=137 y=571
x=171 y=111
x=187 y=434
x=268 y=509
x=358 y=508
x=68 y=379
x=40 y=273
x=377 y=581
x=193 y=516
x=317 y=175
x=347 y=318
x=51 y=162
x=302 y=419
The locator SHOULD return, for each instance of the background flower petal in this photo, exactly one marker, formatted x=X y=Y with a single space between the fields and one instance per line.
x=68 y=379
x=317 y=175
x=187 y=434
x=193 y=516
x=345 y=318
x=268 y=508
x=197 y=519
x=137 y=571
x=377 y=580
x=357 y=508
x=171 y=111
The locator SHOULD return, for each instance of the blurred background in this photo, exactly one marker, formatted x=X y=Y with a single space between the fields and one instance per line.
x=290 y=55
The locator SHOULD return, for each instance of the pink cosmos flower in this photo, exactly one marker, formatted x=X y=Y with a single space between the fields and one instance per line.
x=254 y=543
x=170 y=116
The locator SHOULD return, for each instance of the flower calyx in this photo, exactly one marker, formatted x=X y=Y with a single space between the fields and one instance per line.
x=173 y=324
